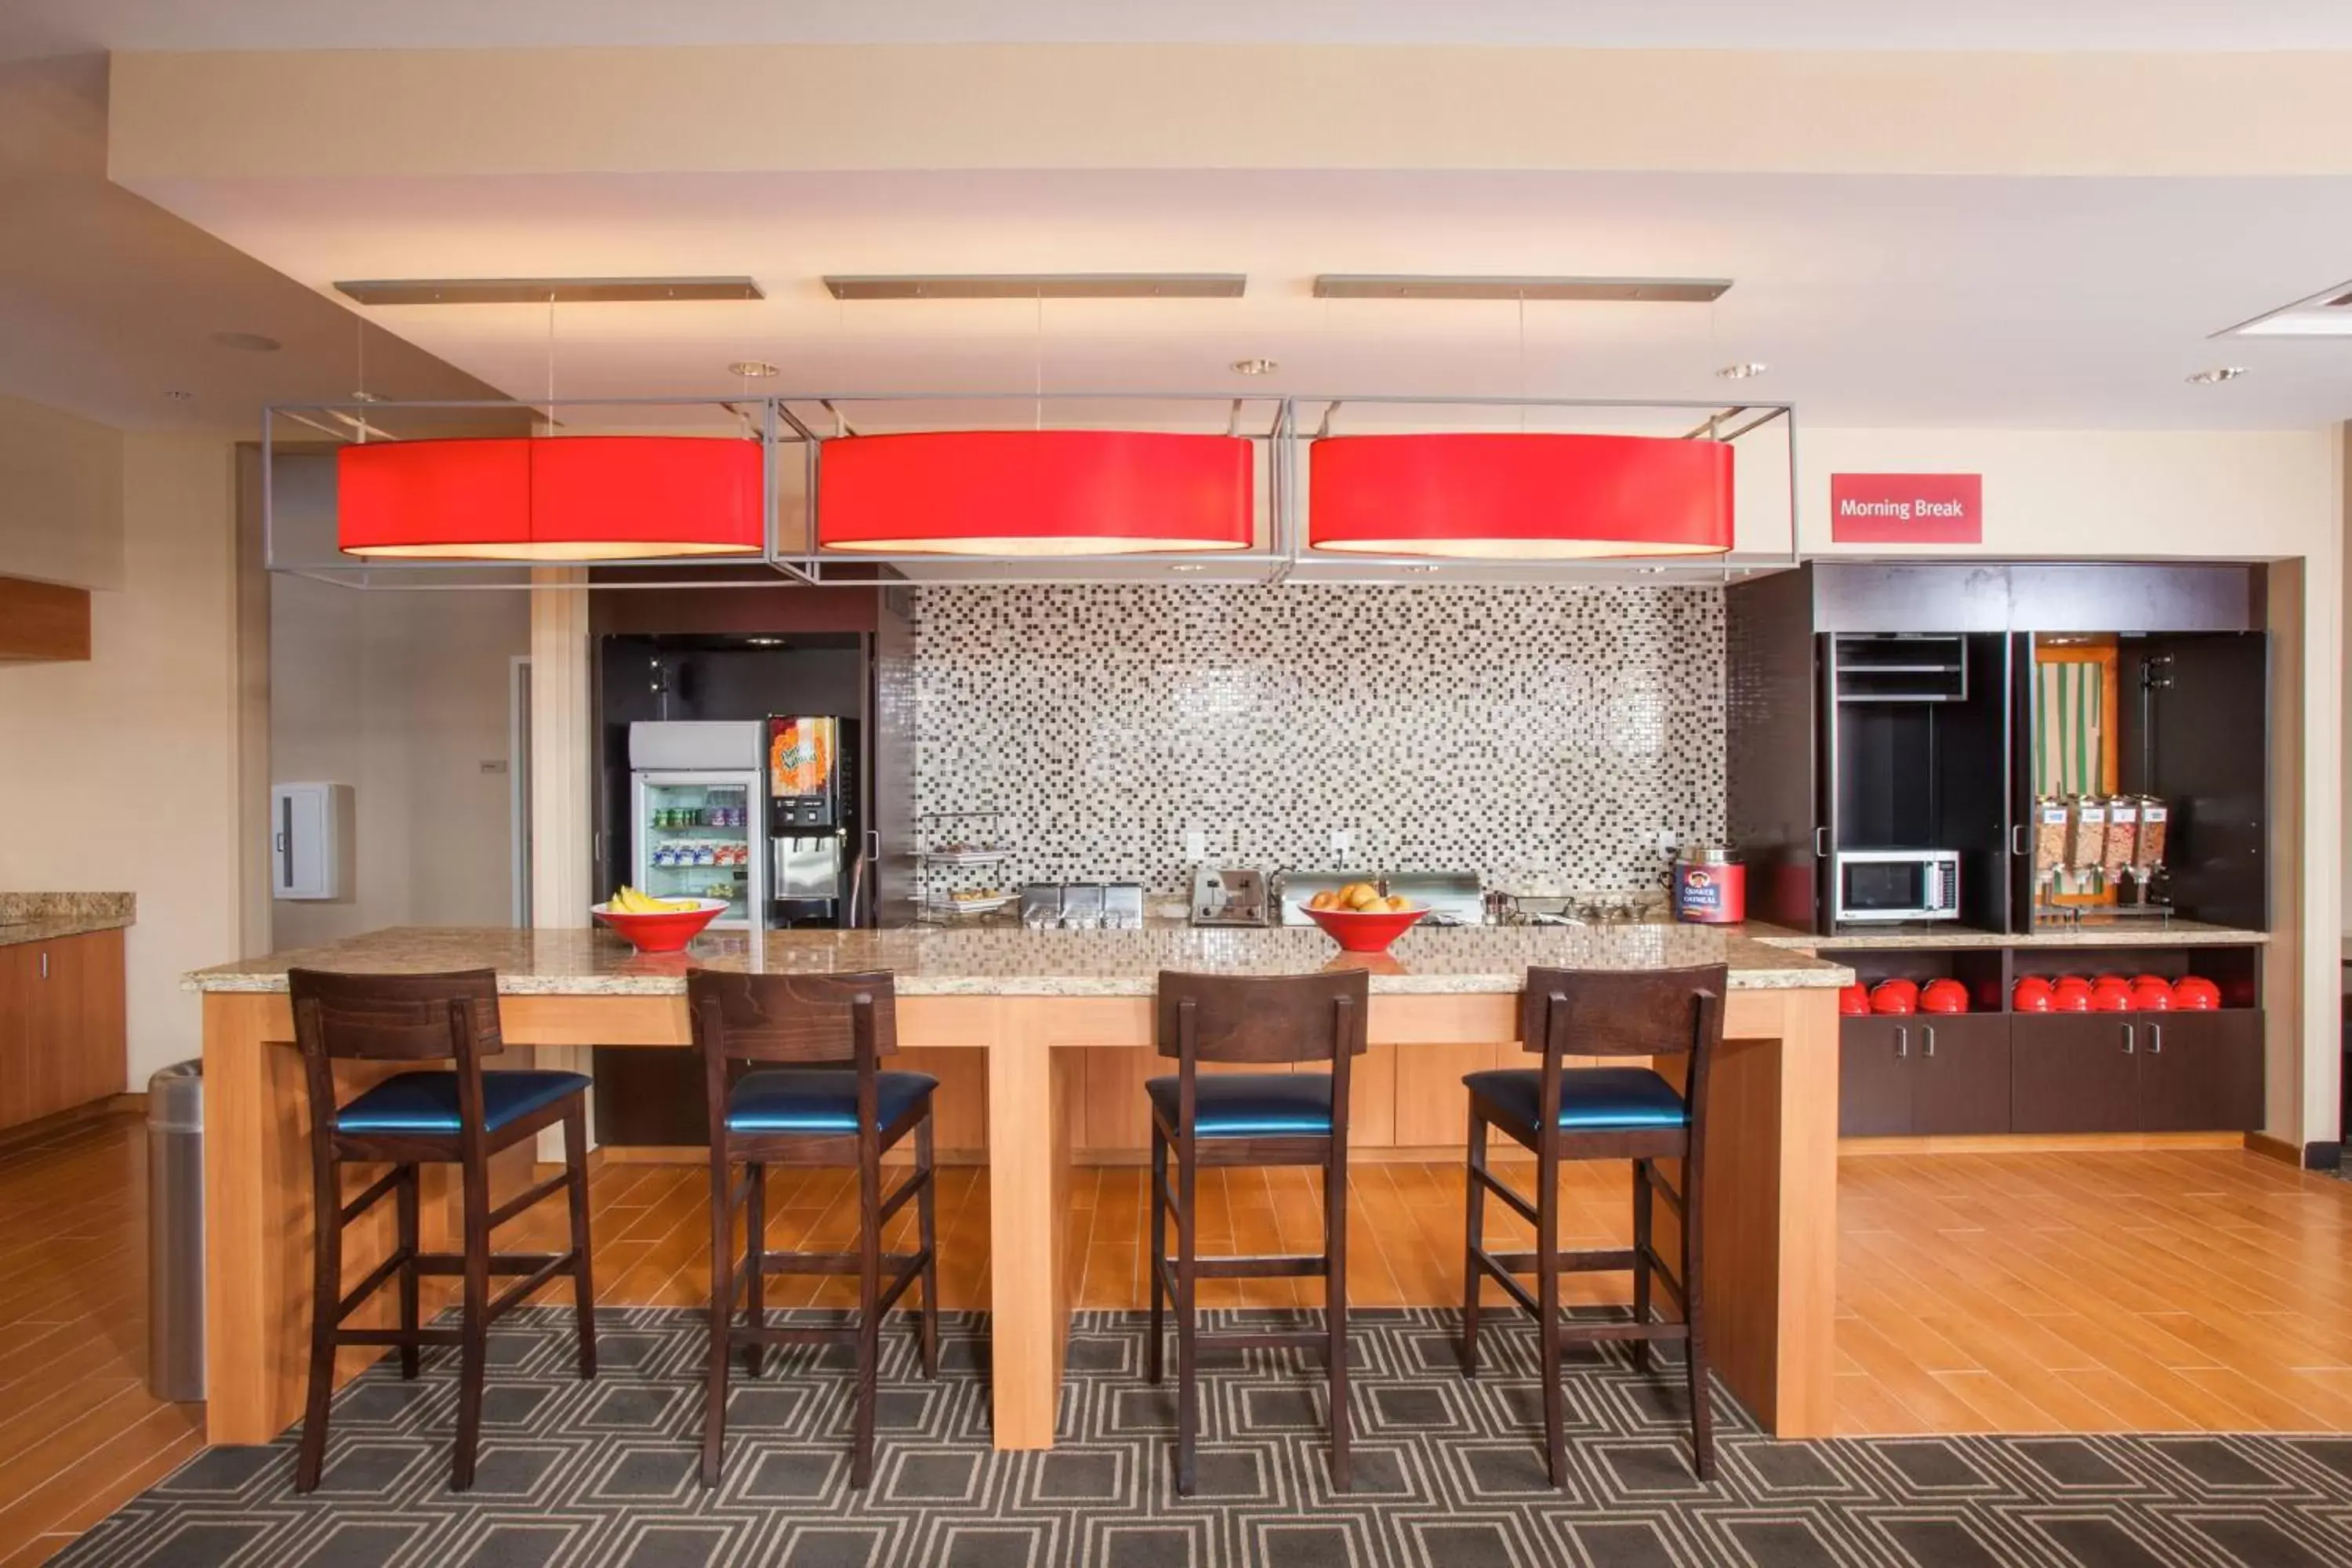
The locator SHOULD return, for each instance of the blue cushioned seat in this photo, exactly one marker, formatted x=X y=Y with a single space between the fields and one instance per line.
x=1591 y=1099
x=426 y=1102
x=818 y=1099
x=1250 y=1105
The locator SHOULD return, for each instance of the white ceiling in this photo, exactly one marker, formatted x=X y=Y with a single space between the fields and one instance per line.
x=1875 y=300
x=109 y=303
x=28 y=26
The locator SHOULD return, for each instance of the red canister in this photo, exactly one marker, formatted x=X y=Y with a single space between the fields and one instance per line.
x=1710 y=886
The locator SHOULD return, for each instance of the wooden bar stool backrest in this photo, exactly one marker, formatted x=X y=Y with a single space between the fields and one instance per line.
x=413 y=1018
x=1660 y=1013
x=1262 y=1019
x=808 y=1020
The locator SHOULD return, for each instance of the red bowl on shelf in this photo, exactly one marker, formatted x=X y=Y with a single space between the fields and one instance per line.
x=2030 y=994
x=1365 y=930
x=1854 y=1001
x=2112 y=999
x=1894 y=996
x=2194 y=994
x=2152 y=996
x=662 y=932
x=1943 y=996
x=2072 y=993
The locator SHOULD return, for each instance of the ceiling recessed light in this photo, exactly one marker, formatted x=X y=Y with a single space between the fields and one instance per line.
x=2218 y=373
x=750 y=367
x=178 y=396
x=1745 y=370
x=1420 y=568
x=765 y=642
x=1255 y=366
x=1189 y=566
x=250 y=343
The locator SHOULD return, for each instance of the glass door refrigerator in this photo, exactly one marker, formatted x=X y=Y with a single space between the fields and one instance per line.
x=696 y=798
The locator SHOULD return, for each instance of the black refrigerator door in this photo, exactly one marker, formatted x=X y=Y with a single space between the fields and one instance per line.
x=2021 y=781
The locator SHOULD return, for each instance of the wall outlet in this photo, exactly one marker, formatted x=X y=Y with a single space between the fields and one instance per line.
x=1196 y=845
x=1343 y=839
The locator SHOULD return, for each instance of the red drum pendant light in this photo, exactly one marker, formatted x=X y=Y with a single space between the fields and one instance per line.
x=1520 y=497
x=551 y=498
x=1035 y=492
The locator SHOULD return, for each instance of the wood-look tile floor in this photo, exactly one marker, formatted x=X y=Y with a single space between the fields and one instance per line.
x=1977 y=1293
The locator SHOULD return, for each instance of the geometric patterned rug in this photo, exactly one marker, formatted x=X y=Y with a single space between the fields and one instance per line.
x=1449 y=1473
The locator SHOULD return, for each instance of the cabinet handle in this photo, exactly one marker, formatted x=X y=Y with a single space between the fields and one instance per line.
x=2156 y=1039
x=1929 y=1030
x=2017 y=839
x=1902 y=1039
x=2129 y=1040
x=1820 y=843
x=45 y=965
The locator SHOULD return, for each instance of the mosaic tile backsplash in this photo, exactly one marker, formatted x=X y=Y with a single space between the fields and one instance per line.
x=1558 y=729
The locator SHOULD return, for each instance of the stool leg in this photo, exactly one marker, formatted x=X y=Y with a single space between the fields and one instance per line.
x=1548 y=1309
x=755 y=1264
x=405 y=1197
x=722 y=1315
x=326 y=1294
x=1694 y=1302
x=1151 y=1353
x=1335 y=1309
x=584 y=1285
x=1642 y=1220
x=1187 y=1390
x=869 y=1297
x=1474 y=1237
x=474 y=1331
x=927 y=1236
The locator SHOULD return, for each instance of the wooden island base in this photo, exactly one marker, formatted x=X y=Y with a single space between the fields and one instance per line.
x=1771 y=1256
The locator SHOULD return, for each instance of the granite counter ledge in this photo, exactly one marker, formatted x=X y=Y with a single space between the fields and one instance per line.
x=1011 y=961
x=54 y=917
x=1043 y=1028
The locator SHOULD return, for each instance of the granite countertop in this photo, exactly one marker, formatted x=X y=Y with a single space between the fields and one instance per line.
x=1011 y=961
x=51 y=917
x=2093 y=932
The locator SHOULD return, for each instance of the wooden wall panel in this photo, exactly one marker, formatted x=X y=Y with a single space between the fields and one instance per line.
x=42 y=621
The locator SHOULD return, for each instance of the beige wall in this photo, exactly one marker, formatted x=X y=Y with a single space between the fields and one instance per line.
x=2268 y=495
x=60 y=497
x=403 y=696
x=121 y=774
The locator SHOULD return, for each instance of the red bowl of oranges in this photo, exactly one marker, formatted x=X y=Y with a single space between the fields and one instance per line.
x=1361 y=919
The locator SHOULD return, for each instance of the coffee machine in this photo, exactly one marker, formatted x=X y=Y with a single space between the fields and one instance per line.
x=817 y=871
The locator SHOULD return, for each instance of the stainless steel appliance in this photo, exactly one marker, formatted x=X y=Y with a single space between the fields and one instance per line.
x=1229 y=895
x=693 y=814
x=1082 y=906
x=1890 y=886
x=815 y=849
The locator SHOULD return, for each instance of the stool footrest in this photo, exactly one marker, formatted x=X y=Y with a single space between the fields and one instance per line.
x=822 y=1262
x=1511 y=1199
x=897 y=1200
x=1256 y=1266
x=375 y=1280
x=536 y=1195
x=521 y=1288
x=374 y=1193
x=454 y=1263
x=393 y=1339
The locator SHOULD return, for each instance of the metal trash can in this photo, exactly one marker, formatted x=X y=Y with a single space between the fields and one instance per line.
x=175 y=1232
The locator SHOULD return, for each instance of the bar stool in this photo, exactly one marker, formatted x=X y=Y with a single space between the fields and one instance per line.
x=408 y=1121
x=1600 y=1113
x=804 y=1116
x=1251 y=1119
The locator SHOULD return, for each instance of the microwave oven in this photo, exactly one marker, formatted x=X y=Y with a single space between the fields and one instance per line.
x=1892 y=884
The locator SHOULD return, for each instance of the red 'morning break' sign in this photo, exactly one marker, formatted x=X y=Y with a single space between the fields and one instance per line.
x=1907 y=508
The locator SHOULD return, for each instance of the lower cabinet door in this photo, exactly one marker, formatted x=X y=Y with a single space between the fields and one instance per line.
x=2075 y=1072
x=1961 y=1075
x=2201 y=1072
x=1874 y=1058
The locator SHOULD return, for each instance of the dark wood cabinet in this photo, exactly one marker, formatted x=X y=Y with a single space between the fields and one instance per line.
x=1960 y=1076
x=2075 y=1072
x=2137 y=1072
x=1874 y=1077
x=1929 y=1075
x=2201 y=1073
